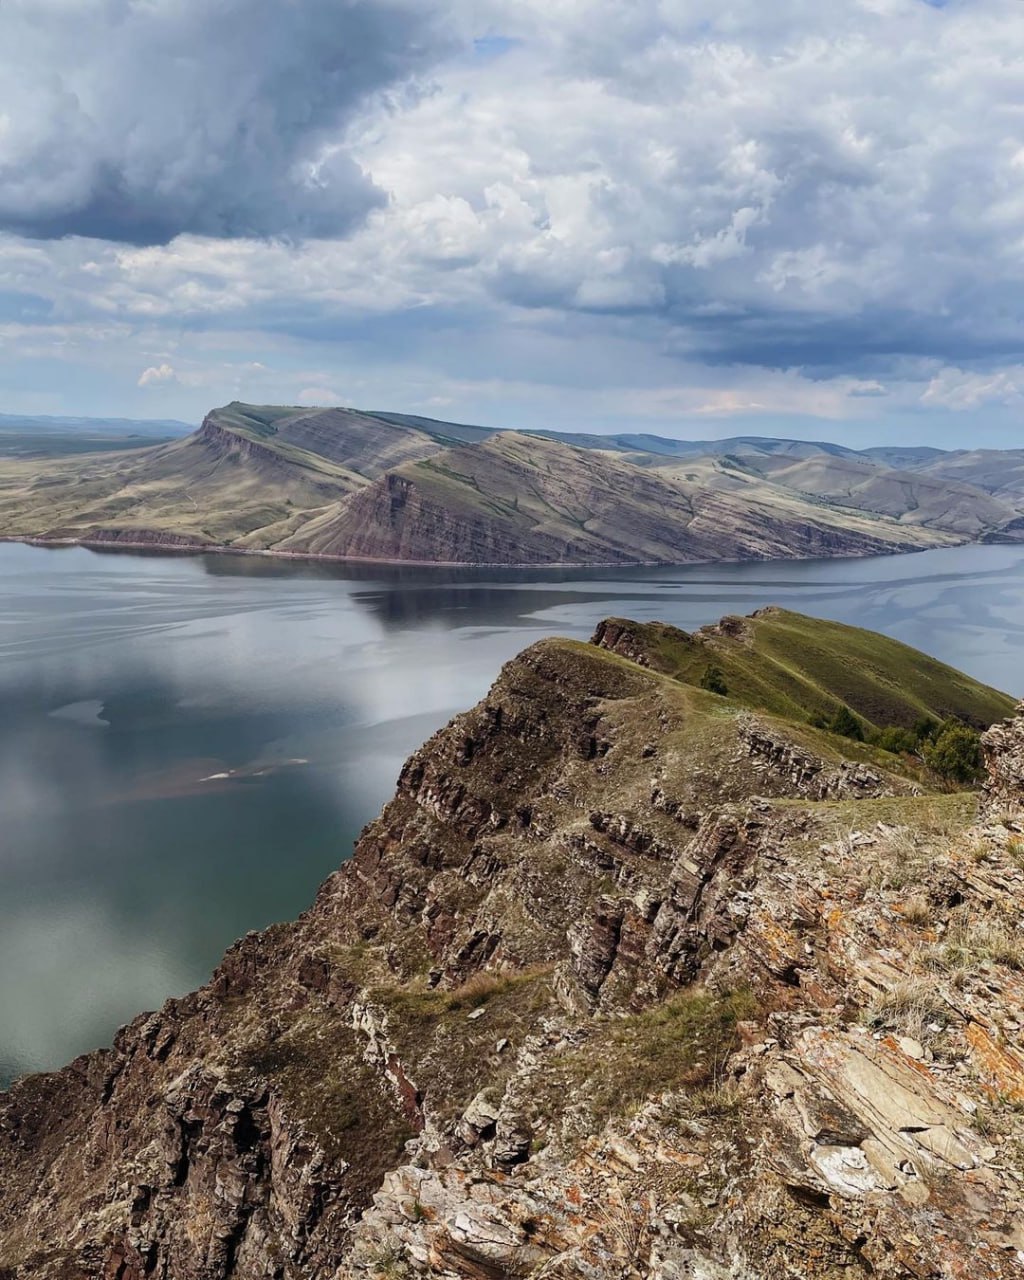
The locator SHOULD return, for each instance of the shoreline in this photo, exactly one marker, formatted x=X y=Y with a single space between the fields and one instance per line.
x=213 y=548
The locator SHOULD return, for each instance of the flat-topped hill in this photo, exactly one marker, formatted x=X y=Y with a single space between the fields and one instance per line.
x=345 y=483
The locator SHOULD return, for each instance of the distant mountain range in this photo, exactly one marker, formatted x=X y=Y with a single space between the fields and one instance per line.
x=375 y=485
x=25 y=436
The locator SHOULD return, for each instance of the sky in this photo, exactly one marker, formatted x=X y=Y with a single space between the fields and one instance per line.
x=697 y=218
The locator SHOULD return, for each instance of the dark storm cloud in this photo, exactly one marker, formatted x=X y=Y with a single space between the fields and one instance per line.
x=720 y=207
x=137 y=120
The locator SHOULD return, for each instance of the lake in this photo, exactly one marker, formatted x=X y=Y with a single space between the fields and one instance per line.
x=188 y=746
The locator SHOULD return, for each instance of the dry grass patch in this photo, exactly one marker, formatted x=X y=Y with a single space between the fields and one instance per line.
x=973 y=940
x=909 y=1007
x=918 y=911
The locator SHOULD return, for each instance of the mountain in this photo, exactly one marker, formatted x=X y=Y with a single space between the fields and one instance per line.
x=904 y=455
x=998 y=471
x=348 y=483
x=515 y=498
x=24 y=436
x=910 y=497
x=209 y=489
x=630 y=979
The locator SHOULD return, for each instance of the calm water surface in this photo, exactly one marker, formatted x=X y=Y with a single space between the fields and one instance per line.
x=189 y=745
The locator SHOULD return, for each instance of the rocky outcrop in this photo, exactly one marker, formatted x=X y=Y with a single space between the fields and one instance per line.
x=519 y=500
x=774 y=759
x=1003 y=753
x=158 y=539
x=624 y=981
x=398 y=519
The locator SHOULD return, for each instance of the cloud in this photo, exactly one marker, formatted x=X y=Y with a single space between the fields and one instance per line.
x=959 y=389
x=317 y=397
x=139 y=121
x=695 y=210
x=156 y=374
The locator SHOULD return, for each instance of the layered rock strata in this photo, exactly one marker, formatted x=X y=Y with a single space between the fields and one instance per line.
x=624 y=981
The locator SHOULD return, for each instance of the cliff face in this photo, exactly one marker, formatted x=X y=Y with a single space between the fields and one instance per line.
x=514 y=499
x=343 y=483
x=627 y=980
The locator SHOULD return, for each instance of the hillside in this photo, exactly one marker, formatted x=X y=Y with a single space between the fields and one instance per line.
x=801 y=667
x=348 y=483
x=629 y=979
x=998 y=471
x=515 y=498
x=857 y=483
x=208 y=489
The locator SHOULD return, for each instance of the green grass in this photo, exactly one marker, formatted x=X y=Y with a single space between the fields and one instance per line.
x=448 y=1053
x=318 y=1067
x=681 y=1044
x=804 y=668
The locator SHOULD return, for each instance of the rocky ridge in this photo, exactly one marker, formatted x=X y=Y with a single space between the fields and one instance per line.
x=515 y=499
x=343 y=484
x=627 y=980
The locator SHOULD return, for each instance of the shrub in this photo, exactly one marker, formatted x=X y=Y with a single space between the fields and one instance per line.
x=955 y=753
x=713 y=680
x=896 y=740
x=925 y=728
x=846 y=724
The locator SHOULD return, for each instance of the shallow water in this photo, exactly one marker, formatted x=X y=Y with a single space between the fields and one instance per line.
x=189 y=745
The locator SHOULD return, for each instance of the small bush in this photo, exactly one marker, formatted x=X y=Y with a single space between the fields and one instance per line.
x=389 y=1261
x=925 y=728
x=713 y=680
x=955 y=753
x=846 y=724
x=898 y=741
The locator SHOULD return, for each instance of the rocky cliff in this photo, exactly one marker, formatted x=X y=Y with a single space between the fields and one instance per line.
x=342 y=484
x=629 y=979
x=515 y=499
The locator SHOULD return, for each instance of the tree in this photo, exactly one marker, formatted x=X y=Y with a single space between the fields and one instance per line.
x=713 y=680
x=925 y=728
x=955 y=753
x=897 y=740
x=845 y=723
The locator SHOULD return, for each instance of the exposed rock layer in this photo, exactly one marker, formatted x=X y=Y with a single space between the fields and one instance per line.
x=614 y=986
x=340 y=483
x=514 y=499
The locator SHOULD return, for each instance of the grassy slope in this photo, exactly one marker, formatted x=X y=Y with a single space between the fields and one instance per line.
x=279 y=477
x=518 y=498
x=218 y=491
x=800 y=667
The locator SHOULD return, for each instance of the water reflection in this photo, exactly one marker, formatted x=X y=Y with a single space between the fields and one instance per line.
x=188 y=745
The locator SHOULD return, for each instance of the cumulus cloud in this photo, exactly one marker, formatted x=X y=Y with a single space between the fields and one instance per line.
x=658 y=198
x=136 y=121
x=961 y=389
x=156 y=374
x=317 y=397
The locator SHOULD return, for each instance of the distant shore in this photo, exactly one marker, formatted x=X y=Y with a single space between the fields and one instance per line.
x=187 y=548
